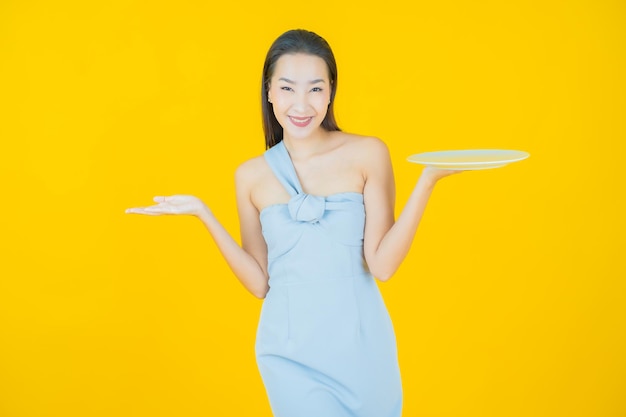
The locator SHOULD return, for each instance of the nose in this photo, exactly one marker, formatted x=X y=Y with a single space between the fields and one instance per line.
x=301 y=103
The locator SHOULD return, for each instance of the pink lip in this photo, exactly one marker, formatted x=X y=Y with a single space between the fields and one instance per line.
x=300 y=121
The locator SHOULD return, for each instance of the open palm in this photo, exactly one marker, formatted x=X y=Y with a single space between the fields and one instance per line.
x=175 y=204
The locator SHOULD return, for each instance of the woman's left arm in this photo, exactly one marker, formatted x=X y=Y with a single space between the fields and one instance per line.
x=387 y=242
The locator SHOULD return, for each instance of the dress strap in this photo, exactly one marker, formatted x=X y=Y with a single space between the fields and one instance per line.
x=305 y=207
x=280 y=162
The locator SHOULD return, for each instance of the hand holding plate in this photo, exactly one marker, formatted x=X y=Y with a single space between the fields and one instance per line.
x=435 y=174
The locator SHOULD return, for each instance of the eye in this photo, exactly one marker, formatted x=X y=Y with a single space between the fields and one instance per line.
x=285 y=88
x=317 y=89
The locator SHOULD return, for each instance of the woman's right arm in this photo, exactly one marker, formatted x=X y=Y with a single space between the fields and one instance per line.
x=248 y=261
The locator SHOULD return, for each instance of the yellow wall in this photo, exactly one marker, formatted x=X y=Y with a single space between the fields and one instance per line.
x=512 y=301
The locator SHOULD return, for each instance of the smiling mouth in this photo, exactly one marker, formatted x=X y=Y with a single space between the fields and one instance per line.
x=300 y=121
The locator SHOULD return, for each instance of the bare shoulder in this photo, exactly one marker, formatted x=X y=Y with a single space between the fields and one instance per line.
x=247 y=168
x=249 y=172
x=374 y=149
x=367 y=149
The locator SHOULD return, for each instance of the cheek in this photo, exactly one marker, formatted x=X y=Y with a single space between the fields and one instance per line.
x=322 y=105
x=280 y=99
x=279 y=106
x=320 y=100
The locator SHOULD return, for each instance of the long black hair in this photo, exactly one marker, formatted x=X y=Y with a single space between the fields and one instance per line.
x=292 y=42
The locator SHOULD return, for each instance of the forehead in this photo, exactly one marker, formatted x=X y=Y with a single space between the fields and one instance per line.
x=300 y=67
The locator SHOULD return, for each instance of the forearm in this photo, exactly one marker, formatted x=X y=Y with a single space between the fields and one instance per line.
x=395 y=245
x=243 y=265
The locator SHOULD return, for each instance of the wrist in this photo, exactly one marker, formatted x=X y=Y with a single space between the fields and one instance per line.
x=203 y=213
x=427 y=179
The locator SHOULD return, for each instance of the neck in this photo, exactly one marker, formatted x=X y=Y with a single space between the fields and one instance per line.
x=305 y=147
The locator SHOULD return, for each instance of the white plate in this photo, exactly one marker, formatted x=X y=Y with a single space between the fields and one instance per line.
x=470 y=159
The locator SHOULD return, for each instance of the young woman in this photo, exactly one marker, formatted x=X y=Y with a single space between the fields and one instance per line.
x=317 y=224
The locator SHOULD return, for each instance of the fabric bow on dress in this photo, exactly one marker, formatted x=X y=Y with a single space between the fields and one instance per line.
x=306 y=207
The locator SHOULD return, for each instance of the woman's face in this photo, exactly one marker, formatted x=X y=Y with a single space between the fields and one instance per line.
x=299 y=91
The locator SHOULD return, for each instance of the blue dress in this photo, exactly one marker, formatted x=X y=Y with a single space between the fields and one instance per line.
x=325 y=344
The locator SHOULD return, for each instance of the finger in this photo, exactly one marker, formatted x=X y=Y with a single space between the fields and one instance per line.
x=164 y=209
x=158 y=209
x=159 y=199
x=140 y=210
x=133 y=210
x=147 y=214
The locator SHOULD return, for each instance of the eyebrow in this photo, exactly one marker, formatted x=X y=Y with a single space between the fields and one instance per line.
x=287 y=80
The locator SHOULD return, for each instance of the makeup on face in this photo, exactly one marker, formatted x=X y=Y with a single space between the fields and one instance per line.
x=299 y=93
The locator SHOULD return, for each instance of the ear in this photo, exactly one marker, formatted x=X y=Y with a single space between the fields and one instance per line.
x=269 y=95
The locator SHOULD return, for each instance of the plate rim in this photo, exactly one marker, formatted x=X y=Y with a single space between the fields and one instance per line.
x=521 y=156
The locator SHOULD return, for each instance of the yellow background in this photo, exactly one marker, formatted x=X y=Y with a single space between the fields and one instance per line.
x=512 y=301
